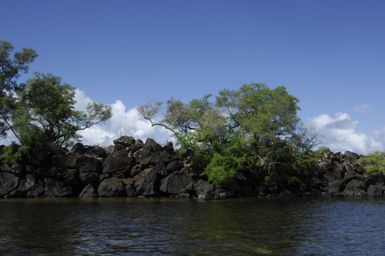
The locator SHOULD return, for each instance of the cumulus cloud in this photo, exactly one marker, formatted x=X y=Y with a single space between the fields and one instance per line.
x=339 y=133
x=123 y=122
x=364 y=108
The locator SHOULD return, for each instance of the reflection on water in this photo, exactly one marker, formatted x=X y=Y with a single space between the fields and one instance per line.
x=183 y=227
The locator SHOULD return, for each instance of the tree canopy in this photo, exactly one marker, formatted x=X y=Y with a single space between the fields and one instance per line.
x=41 y=112
x=254 y=130
x=12 y=64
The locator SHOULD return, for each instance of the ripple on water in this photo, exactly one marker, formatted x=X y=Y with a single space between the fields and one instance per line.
x=164 y=227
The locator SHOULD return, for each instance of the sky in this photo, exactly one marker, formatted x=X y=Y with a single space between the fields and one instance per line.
x=330 y=54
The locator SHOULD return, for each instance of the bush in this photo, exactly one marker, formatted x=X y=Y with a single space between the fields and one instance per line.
x=373 y=163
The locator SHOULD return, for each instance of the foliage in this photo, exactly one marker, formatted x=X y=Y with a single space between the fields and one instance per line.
x=46 y=112
x=13 y=153
x=40 y=113
x=374 y=163
x=254 y=131
x=11 y=66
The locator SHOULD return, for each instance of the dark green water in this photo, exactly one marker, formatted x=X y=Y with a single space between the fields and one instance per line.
x=183 y=227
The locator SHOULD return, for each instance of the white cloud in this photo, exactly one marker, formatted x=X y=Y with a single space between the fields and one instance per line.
x=123 y=122
x=364 y=108
x=339 y=133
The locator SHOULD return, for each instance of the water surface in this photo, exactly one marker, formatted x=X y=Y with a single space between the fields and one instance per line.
x=184 y=227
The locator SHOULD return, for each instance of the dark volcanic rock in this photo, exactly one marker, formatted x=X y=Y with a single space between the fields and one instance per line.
x=147 y=183
x=176 y=183
x=112 y=187
x=376 y=190
x=89 y=169
x=204 y=189
x=119 y=162
x=8 y=182
x=88 y=192
x=56 y=188
x=29 y=186
x=355 y=188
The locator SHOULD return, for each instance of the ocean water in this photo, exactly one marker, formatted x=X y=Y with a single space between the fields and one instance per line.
x=288 y=226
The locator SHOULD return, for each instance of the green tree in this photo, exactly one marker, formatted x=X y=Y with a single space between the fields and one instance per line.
x=46 y=113
x=11 y=66
x=254 y=130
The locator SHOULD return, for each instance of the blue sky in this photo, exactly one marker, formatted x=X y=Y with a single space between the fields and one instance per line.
x=329 y=54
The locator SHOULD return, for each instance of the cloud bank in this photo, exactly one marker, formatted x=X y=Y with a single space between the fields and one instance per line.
x=340 y=133
x=123 y=122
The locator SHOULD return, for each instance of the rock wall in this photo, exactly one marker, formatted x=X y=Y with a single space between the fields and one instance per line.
x=131 y=168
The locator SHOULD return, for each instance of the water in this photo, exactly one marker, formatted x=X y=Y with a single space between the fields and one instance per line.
x=184 y=227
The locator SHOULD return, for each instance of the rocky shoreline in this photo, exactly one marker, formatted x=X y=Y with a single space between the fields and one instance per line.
x=133 y=168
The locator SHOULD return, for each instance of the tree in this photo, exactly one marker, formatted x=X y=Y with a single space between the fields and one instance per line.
x=46 y=112
x=253 y=131
x=11 y=66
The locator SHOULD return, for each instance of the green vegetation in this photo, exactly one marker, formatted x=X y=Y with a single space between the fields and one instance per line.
x=41 y=112
x=373 y=163
x=245 y=134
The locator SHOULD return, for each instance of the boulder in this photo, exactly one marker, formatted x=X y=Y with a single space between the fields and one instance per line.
x=112 y=187
x=376 y=190
x=176 y=183
x=127 y=143
x=119 y=162
x=18 y=170
x=355 y=187
x=57 y=188
x=29 y=186
x=147 y=183
x=89 y=169
x=88 y=192
x=173 y=166
x=8 y=183
x=204 y=189
x=151 y=145
x=129 y=187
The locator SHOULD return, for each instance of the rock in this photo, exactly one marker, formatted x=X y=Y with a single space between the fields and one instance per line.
x=334 y=188
x=204 y=189
x=125 y=141
x=376 y=190
x=169 y=147
x=150 y=160
x=374 y=180
x=29 y=186
x=135 y=170
x=18 y=170
x=354 y=188
x=109 y=149
x=8 y=183
x=95 y=151
x=119 y=162
x=167 y=156
x=112 y=187
x=175 y=183
x=71 y=176
x=88 y=192
x=152 y=145
x=129 y=187
x=89 y=170
x=350 y=156
x=56 y=188
x=147 y=183
x=173 y=166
